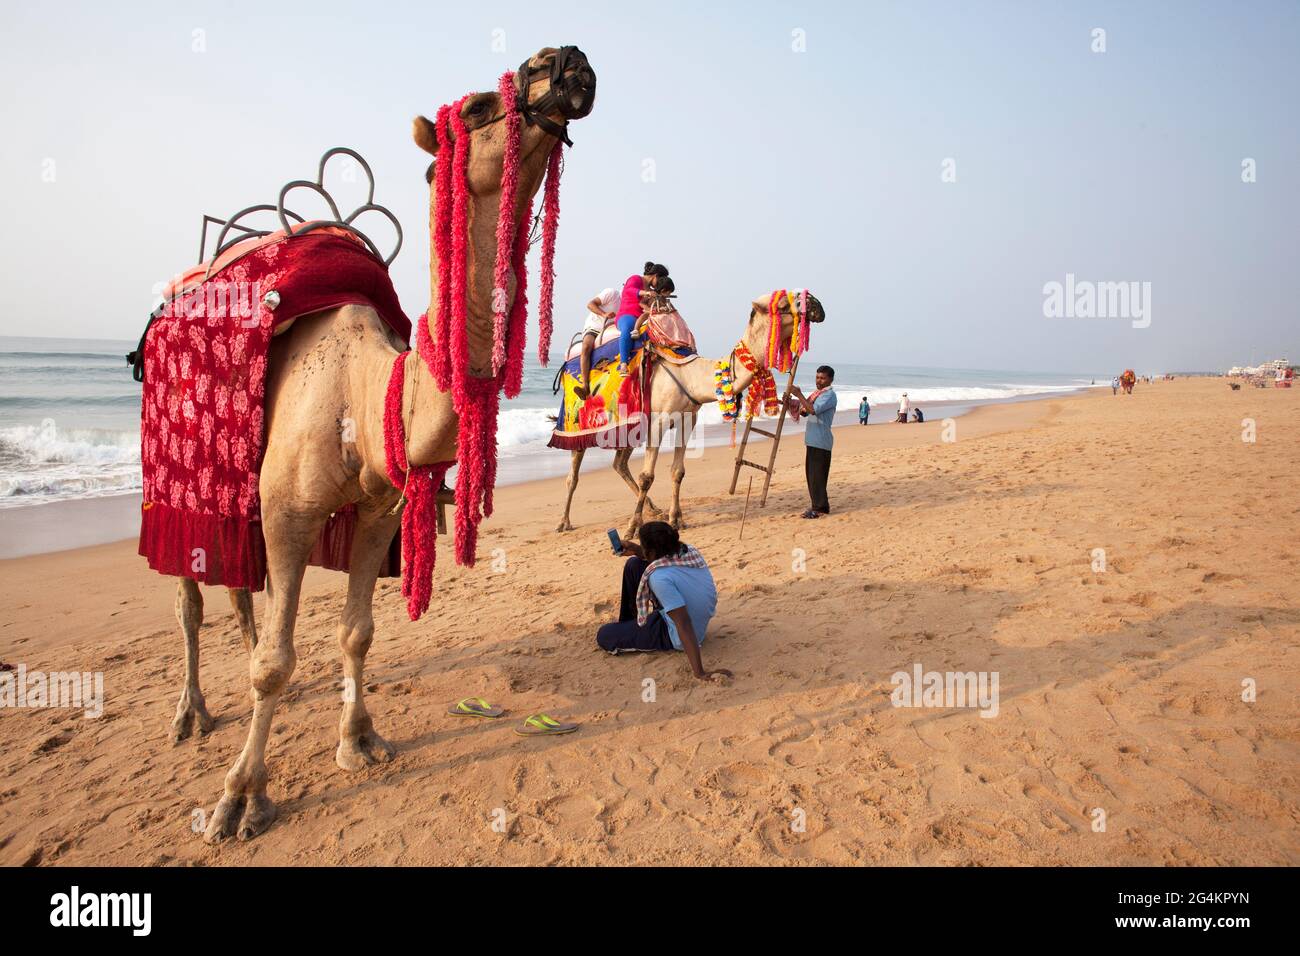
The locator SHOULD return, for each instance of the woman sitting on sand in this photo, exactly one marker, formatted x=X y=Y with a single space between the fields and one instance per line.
x=638 y=291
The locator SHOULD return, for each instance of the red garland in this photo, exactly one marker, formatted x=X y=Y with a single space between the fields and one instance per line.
x=505 y=220
x=550 y=225
x=761 y=394
x=458 y=342
x=439 y=360
x=420 y=490
x=446 y=350
x=518 y=332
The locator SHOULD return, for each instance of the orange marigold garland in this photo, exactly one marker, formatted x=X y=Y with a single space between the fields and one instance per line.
x=760 y=397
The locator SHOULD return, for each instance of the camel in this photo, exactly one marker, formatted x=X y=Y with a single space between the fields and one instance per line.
x=676 y=394
x=334 y=366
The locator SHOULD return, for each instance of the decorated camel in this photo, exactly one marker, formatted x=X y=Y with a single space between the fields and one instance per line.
x=1127 y=381
x=356 y=421
x=677 y=392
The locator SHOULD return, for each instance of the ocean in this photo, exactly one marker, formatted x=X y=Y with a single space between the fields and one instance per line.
x=70 y=414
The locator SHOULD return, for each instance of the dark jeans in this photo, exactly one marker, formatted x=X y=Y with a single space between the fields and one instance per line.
x=817 y=469
x=627 y=634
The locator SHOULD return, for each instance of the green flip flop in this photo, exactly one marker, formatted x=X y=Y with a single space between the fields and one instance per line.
x=475 y=707
x=542 y=725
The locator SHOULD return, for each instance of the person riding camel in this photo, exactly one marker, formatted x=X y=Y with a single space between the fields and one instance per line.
x=638 y=291
x=600 y=312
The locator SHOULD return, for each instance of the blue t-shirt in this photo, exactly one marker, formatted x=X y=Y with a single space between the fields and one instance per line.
x=817 y=433
x=691 y=588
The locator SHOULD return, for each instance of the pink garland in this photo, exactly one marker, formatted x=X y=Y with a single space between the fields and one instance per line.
x=518 y=333
x=505 y=220
x=805 y=331
x=445 y=350
x=439 y=360
x=420 y=489
x=458 y=342
x=550 y=225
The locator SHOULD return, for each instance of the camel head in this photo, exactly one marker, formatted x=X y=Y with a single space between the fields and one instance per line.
x=756 y=334
x=550 y=90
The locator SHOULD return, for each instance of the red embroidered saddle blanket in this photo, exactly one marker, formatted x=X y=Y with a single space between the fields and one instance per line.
x=202 y=416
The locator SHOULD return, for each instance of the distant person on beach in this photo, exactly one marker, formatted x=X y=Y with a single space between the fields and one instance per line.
x=817 y=437
x=864 y=409
x=918 y=415
x=601 y=310
x=667 y=602
x=903 y=406
x=1114 y=385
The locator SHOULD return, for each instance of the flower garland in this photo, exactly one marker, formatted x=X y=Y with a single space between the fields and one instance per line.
x=550 y=224
x=724 y=386
x=774 y=329
x=419 y=493
x=760 y=397
x=445 y=347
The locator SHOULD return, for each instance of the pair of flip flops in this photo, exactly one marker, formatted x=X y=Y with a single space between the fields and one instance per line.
x=537 y=725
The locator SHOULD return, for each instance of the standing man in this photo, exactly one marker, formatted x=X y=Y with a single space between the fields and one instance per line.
x=864 y=409
x=820 y=407
x=1114 y=385
x=600 y=312
x=903 y=406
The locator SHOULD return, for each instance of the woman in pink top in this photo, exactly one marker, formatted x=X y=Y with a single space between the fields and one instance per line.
x=635 y=289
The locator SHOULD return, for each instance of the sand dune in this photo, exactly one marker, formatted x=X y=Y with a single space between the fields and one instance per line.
x=1119 y=691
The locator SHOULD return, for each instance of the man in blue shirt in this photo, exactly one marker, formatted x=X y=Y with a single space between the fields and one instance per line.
x=820 y=409
x=685 y=600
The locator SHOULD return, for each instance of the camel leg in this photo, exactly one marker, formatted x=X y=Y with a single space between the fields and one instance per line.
x=242 y=601
x=191 y=711
x=647 y=477
x=621 y=459
x=359 y=745
x=679 y=467
x=244 y=809
x=574 y=465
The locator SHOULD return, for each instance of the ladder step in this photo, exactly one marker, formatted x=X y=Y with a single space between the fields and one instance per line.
x=763 y=431
x=752 y=465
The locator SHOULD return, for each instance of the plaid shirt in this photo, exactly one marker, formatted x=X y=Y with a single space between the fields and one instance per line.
x=646 y=603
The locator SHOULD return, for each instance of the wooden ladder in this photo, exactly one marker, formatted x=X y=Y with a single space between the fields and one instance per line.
x=770 y=467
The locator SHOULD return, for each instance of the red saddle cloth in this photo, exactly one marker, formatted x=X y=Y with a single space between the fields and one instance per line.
x=202 y=417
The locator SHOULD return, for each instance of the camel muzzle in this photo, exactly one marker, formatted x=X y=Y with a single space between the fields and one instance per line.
x=572 y=91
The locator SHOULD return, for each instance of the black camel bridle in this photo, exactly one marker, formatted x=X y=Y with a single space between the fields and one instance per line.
x=571 y=92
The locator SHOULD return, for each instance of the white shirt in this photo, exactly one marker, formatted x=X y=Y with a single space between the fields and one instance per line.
x=903 y=405
x=608 y=300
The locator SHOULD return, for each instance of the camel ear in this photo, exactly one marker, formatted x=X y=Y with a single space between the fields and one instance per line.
x=425 y=134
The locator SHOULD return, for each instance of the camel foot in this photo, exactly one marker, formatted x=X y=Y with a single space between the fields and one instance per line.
x=678 y=523
x=357 y=753
x=564 y=526
x=191 y=715
x=259 y=813
x=240 y=816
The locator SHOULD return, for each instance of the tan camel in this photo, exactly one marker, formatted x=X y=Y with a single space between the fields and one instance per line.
x=326 y=369
x=676 y=394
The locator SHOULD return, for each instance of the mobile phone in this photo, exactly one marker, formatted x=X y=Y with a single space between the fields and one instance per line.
x=615 y=540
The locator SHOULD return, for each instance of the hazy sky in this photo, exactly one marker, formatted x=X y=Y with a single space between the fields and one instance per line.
x=772 y=167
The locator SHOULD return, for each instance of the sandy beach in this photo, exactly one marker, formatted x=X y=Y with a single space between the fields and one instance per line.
x=1120 y=691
